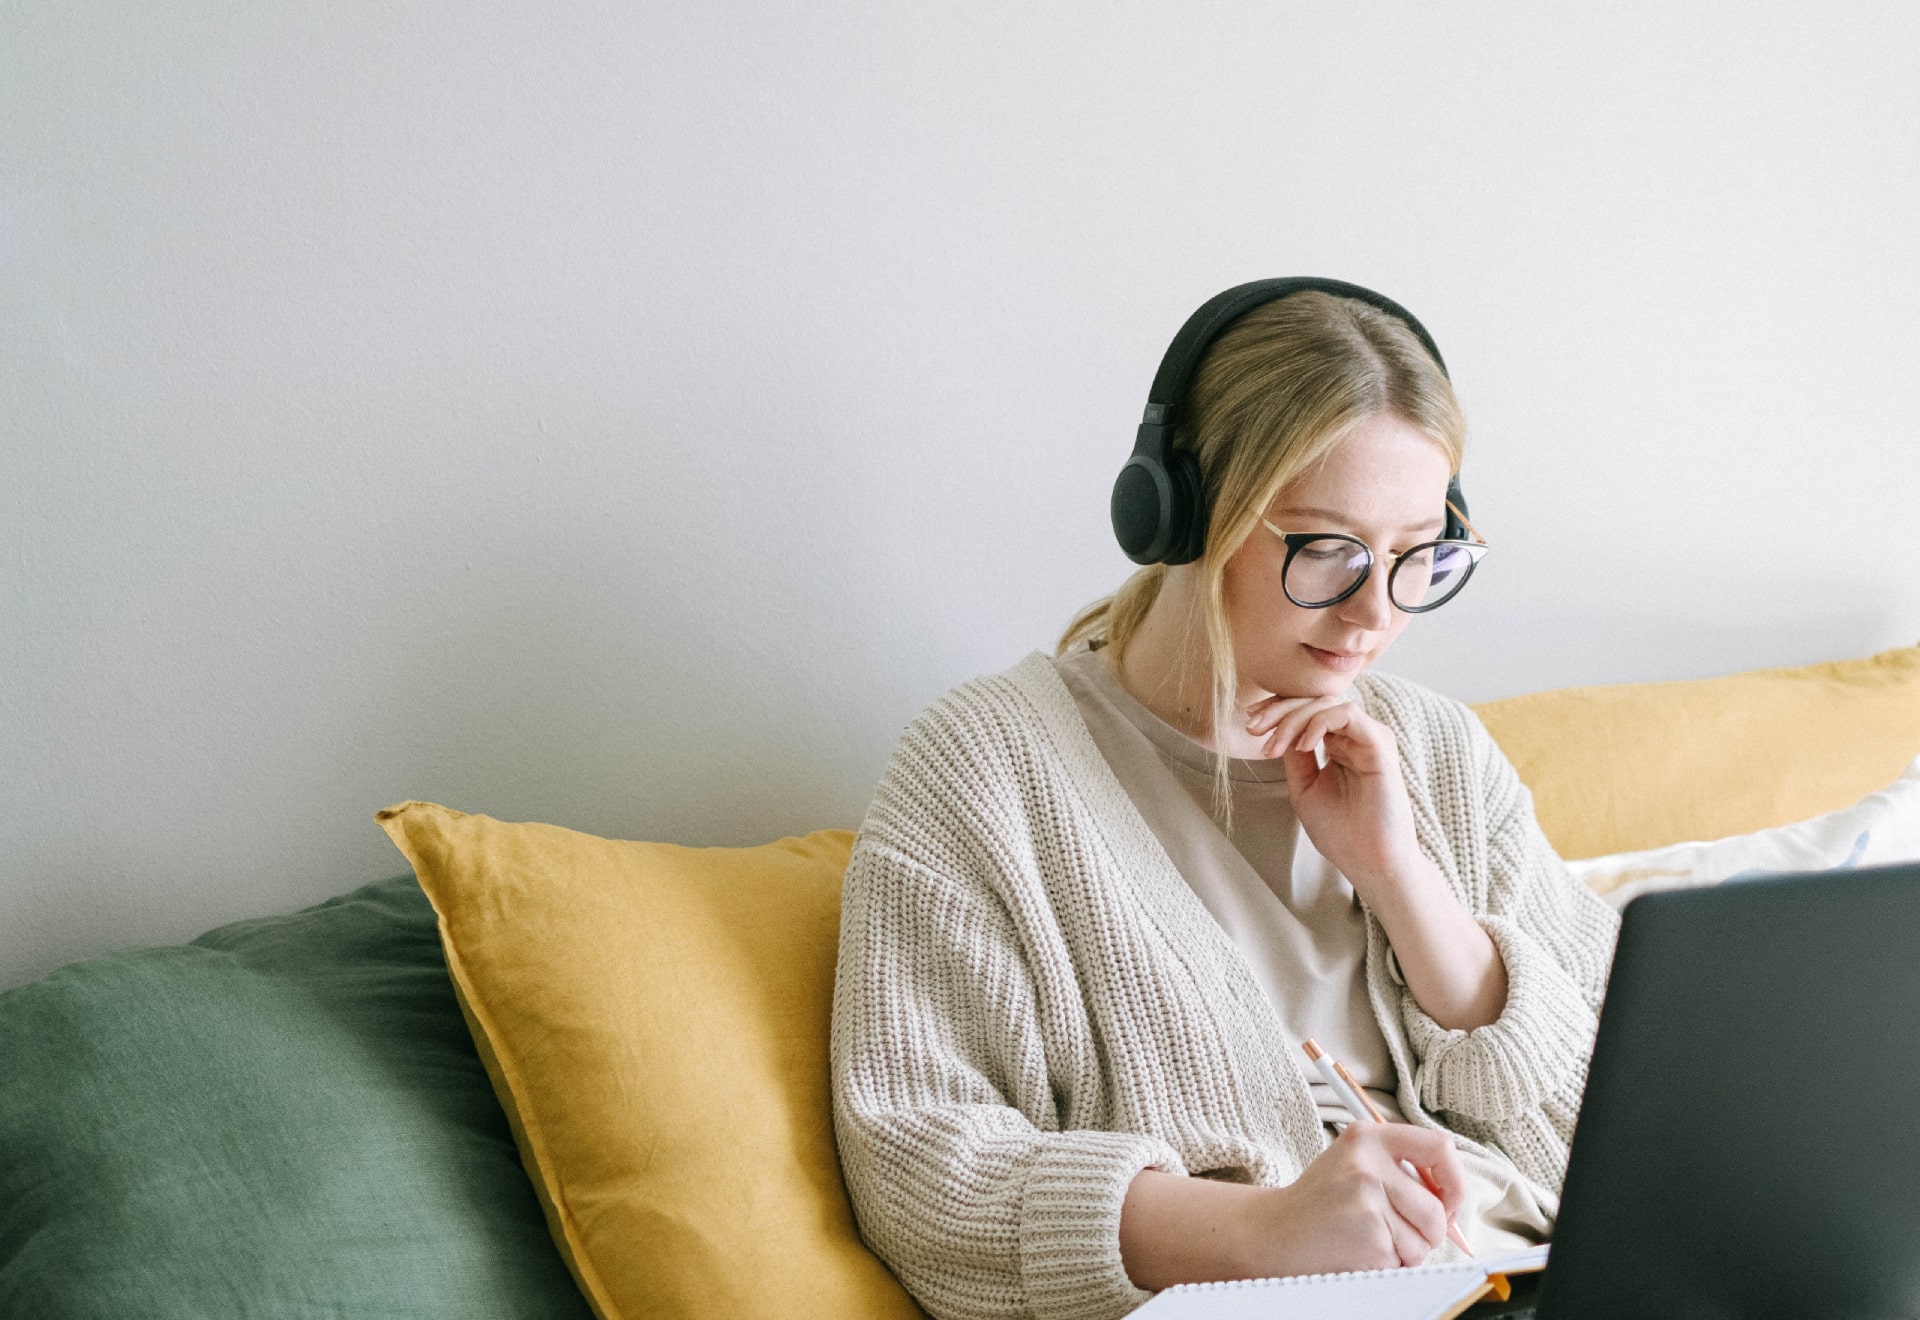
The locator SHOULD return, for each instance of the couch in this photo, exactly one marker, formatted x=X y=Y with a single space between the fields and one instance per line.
x=547 y=1075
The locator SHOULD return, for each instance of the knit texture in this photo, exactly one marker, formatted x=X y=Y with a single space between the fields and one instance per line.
x=1031 y=1005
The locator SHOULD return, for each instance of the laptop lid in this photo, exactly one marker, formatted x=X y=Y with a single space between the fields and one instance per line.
x=1749 y=1139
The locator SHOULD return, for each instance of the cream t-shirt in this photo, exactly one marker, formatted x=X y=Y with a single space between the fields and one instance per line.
x=1289 y=911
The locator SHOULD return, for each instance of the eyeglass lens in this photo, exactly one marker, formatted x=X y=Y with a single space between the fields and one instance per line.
x=1327 y=567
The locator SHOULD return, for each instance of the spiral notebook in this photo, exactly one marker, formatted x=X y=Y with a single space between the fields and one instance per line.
x=1420 y=1292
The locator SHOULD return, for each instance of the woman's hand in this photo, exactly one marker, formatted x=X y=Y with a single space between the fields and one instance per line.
x=1355 y=808
x=1354 y=1208
x=1357 y=1208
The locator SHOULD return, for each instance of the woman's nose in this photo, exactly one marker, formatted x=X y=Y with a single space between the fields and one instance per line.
x=1369 y=607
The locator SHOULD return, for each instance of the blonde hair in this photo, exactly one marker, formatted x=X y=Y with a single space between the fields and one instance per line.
x=1274 y=394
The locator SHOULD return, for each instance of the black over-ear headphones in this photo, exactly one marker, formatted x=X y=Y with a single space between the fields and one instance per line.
x=1160 y=502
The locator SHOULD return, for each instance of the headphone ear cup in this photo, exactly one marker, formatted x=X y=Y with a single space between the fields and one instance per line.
x=1188 y=533
x=1141 y=509
x=1159 y=509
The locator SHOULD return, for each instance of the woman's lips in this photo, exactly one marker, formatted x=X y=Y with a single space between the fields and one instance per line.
x=1337 y=661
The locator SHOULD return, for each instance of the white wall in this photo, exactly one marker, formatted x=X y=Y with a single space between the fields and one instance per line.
x=629 y=416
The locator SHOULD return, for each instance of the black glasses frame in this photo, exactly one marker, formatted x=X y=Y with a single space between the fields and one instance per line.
x=1295 y=540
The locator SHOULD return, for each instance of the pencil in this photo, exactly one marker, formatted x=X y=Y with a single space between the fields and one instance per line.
x=1356 y=1101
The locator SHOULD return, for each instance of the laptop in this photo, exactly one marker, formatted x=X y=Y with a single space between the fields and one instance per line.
x=1749 y=1140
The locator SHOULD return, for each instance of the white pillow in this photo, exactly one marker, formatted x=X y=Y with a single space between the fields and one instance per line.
x=1881 y=828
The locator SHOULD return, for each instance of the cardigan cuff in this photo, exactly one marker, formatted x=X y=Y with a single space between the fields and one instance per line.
x=1511 y=1065
x=1070 y=1222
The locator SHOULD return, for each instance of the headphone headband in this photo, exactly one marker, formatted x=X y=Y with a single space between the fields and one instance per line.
x=1159 y=504
x=1183 y=356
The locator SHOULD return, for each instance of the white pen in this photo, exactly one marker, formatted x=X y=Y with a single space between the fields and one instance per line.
x=1349 y=1098
x=1356 y=1103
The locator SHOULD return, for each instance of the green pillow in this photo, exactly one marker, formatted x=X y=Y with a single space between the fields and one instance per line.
x=284 y=1118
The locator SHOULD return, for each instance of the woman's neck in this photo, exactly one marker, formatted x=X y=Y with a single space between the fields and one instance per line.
x=1168 y=666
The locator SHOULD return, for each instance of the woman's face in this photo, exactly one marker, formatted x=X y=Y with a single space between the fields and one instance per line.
x=1386 y=483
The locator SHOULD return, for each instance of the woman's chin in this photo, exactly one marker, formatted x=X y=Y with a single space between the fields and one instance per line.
x=1307 y=680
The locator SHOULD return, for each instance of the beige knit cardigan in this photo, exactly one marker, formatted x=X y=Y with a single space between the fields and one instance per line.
x=1031 y=1005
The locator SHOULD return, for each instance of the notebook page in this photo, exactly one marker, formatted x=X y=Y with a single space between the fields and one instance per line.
x=1423 y=1292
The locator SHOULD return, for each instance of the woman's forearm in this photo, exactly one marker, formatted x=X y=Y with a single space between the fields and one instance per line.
x=1354 y=1207
x=1449 y=961
x=1177 y=1229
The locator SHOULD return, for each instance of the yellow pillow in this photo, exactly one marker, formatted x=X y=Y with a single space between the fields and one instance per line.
x=1642 y=765
x=654 y=1019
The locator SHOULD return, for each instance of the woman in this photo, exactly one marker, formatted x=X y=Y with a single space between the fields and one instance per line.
x=1102 y=898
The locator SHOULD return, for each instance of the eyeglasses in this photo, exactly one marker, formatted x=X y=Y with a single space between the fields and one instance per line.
x=1324 y=568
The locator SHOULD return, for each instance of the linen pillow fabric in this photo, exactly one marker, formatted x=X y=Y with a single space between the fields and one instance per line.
x=1641 y=765
x=655 y=1020
x=285 y=1117
x=1880 y=829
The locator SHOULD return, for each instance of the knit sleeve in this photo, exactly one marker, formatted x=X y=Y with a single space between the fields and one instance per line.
x=960 y=1178
x=1556 y=937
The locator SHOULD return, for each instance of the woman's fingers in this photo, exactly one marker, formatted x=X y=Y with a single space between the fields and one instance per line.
x=1279 y=742
x=1430 y=1150
x=1282 y=735
x=1270 y=711
x=1344 y=728
x=1362 y=742
x=1415 y=1216
x=1319 y=724
x=1271 y=702
x=1283 y=730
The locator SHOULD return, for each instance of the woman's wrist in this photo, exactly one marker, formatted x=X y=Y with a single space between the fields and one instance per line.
x=1180 y=1229
x=1407 y=893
